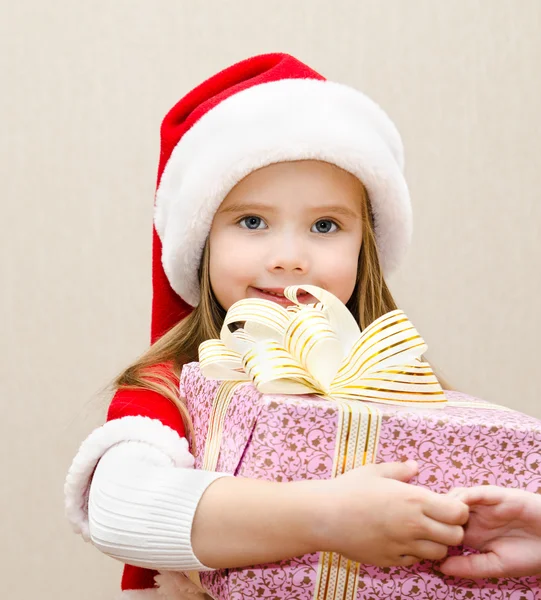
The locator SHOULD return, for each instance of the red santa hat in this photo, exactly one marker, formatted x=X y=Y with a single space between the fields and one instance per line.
x=263 y=110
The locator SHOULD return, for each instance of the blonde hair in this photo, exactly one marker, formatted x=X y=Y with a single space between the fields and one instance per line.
x=371 y=299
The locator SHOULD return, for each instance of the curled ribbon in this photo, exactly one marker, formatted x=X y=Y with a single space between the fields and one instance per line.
x=319 y=349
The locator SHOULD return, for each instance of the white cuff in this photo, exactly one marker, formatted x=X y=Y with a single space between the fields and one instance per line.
x=144 y=429
x=141 y=508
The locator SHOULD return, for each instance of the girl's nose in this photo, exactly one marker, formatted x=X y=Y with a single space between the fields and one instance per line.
x=288 y=255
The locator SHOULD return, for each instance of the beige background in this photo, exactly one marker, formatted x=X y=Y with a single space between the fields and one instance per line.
x=84 y=87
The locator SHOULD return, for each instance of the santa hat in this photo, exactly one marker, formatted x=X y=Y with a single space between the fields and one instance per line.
x=263 y=110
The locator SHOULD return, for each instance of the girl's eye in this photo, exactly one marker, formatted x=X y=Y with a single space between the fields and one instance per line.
x=324 y=226
x=252 y=223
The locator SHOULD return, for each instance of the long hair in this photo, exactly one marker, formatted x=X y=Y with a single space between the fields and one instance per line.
x=370 y=300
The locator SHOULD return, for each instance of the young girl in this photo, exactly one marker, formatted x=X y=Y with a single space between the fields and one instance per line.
x=269 y=176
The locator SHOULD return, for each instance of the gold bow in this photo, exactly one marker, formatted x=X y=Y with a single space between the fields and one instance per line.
x=319 y=349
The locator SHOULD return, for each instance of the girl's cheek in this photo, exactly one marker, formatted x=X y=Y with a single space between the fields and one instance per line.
x=237 y=257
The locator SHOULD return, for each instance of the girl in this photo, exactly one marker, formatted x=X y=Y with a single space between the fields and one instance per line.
x=269 y=176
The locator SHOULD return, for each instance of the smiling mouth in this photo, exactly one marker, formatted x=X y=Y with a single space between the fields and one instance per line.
x=277 y=295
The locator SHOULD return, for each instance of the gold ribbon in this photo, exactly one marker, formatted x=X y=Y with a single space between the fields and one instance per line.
x=357 y=437
x=319 y=349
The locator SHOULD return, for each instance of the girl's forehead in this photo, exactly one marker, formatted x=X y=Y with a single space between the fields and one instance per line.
x=299 y=179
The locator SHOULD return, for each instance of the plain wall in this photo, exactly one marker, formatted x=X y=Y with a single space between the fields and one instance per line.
x=84 y=88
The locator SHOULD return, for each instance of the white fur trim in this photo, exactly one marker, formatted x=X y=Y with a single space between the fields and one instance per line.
x=142 y=429
x=274 y=122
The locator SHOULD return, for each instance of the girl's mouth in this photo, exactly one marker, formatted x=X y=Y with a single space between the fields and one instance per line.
x=277 y=295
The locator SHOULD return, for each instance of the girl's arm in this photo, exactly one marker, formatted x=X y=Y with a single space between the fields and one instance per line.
x=369 y=515
x=143 y=514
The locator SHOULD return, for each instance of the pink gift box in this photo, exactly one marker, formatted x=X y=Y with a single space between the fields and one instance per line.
x=288 y=438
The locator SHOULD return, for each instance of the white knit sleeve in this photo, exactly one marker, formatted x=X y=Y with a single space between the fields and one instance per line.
x=141 y=507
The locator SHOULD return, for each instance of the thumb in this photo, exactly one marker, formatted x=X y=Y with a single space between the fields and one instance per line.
x=401 y=471
x=474 y=566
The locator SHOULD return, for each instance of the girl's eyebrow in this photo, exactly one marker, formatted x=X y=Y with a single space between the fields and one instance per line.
x=254 y=207
x=247 y=207
x=338 y=209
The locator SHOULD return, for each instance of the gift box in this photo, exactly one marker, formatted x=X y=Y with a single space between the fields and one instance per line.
x=291 y=438
x=390 y=407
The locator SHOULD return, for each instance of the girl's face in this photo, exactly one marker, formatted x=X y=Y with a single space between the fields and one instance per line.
x=287 y=224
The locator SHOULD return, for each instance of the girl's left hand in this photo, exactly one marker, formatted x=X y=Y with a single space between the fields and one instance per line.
x=505 y=526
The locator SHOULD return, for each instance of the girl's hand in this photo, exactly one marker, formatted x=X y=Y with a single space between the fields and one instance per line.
x=372 y=516
x=505 y=525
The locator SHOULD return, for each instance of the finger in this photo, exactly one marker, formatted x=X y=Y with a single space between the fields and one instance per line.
x=401 y=471
x=486 y=495
x=428 y=550
x=441 y=533
x=457 y=492
x=447 y=510
x=407 y=560
x=474 y=566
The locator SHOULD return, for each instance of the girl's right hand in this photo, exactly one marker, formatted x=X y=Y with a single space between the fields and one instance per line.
x=371 y=515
